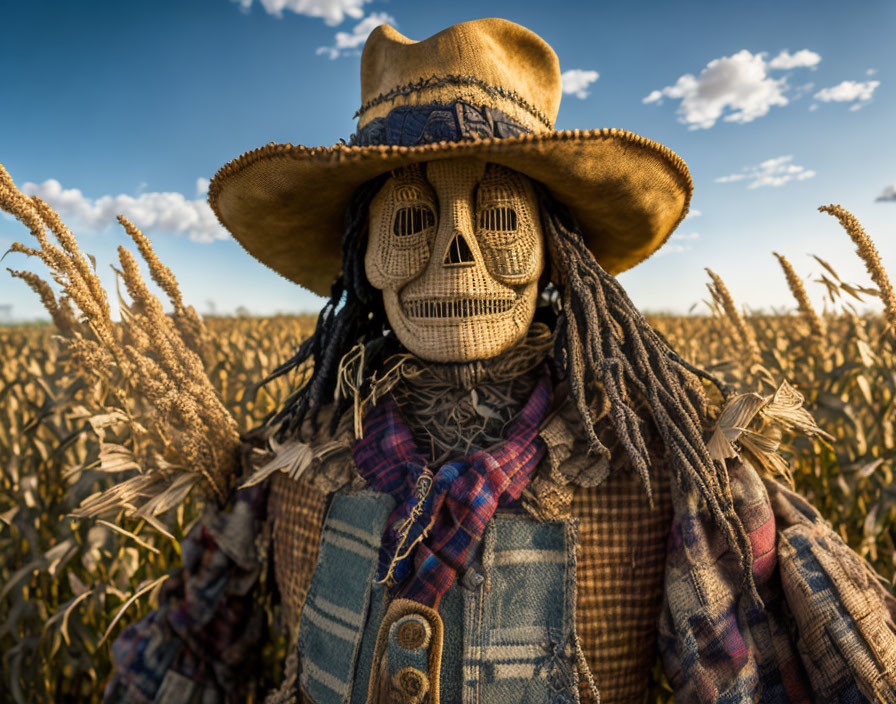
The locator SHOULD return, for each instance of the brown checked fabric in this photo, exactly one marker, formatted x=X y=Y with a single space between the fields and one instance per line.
x=619 y=581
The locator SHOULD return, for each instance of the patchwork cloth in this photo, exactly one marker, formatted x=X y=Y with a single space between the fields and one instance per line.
x=621 y=550
x=339 y=602
x=620 y=558
x=823 y=630
x=433 y=532
x=295 y=515
x=202 y=642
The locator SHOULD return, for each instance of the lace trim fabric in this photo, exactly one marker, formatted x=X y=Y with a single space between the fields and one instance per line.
x=458 y=409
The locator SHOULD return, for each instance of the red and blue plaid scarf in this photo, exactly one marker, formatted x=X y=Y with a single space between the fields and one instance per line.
x=433 y=532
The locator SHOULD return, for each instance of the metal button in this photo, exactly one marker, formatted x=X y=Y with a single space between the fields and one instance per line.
x=472 y=579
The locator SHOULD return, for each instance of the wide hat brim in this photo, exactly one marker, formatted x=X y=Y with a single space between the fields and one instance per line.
x=286 y=204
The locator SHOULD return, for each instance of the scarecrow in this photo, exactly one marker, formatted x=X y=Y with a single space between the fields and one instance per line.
x=499 y=483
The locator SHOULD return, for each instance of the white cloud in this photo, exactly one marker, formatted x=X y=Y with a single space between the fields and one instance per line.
x=734 y=88
x=888 y=194
x=731 y=178
x=870 y=71
x=673 y=249
x=349 y=42
x=738 y=84
x=575 y=82
x=675 y=246
x=771 y=172
x=202 y=187
x=857 y=92
x=333 y=12
x=164 y=212
x=800 y=91
x=693 y=213
x=800 y=59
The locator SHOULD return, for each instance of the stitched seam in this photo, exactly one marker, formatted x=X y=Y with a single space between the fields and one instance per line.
x=452 y=80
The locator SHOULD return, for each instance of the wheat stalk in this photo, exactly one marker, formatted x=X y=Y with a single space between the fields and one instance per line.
x=722 y=296
x=858 y=328
x=67 y=265
x=816 y=324
x=868 y=253
x=188 y=322
x=59 y=314
x=148 y=356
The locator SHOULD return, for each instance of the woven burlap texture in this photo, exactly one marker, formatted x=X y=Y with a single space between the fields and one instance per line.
x=514 y=70
x=621 y=552
x=296 y=514
x=626 y=192
x=397 y=253
x=465 y=287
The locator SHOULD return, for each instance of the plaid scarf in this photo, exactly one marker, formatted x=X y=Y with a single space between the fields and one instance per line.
x=440 y=517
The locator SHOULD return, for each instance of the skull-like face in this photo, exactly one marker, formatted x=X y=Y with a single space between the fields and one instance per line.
x=456 y=248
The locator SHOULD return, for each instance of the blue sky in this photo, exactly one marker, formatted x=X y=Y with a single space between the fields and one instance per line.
x=777 y=107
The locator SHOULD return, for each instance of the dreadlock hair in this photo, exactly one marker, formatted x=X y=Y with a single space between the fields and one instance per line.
x=354 y=314
x=603 y=342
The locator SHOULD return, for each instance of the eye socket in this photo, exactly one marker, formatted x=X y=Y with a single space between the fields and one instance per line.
x=498 y=219
x=412 y=220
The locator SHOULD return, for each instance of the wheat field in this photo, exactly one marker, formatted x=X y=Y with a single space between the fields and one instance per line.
x=65 y=579
x=71 y=426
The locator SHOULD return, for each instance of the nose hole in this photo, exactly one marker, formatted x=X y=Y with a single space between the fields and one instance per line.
x=458 y=252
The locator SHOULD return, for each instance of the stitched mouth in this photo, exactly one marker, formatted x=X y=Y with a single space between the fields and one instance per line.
x=456 y=307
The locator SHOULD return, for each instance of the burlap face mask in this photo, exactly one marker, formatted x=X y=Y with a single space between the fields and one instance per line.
x=456 y=247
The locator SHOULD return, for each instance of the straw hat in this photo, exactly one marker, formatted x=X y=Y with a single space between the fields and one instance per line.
x=488 y=89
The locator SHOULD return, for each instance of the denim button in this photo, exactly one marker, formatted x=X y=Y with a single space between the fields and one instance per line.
x=472 y=579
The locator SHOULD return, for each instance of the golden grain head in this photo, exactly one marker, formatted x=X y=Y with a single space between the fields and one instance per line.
x=816 y=324
x=869 y=255
x=722 y=295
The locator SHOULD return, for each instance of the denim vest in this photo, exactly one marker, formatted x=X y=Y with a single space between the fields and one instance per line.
x=504 y=632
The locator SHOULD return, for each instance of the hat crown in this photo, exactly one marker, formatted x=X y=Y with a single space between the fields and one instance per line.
x=490 y=62
x=478 y=89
